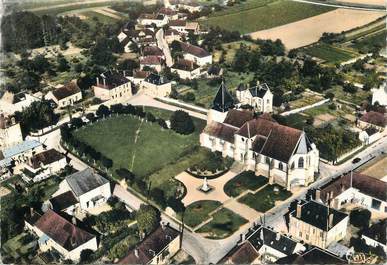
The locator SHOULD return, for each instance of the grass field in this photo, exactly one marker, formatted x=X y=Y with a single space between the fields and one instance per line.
x=198 y=212
x=225 y=222
x=262 y=15
x=265 y=198
x=370 y=42
x=231 y=48
x=206 y=92
x=246 y=180
x=329 y=53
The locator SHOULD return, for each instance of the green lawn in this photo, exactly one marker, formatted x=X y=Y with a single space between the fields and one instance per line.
x=206 y=91
x=265 y=199
x=262 y=14
x=246 y=180
x=225 y=222
x=329 y=53
x=197 y=212
x=371 y=42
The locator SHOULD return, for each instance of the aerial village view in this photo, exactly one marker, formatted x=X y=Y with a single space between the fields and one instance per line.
x=193 y=132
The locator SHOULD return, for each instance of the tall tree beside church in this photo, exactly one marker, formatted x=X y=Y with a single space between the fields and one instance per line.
x=182 y=123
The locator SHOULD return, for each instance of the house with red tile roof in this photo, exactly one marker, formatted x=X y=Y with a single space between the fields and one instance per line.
x=373 y=119
x=283 y=154
x=186 y=69
x=354 y=188
x=152 y=62
x=66 y=95
x=196 y=54
x=55 y=232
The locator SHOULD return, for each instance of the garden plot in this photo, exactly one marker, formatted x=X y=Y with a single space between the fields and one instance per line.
x=322 y=119
x=309 y=30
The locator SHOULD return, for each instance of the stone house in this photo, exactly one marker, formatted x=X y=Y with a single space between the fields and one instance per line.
x=151 y=62
x=19 y=153
x=317 y=224
x=10 y=132
x=55 y=232
x=259 y=97
x=196 y=54
x=186 y=69
x=66 y=95
x=156 y=86
x=159 y=20
x=112 y=85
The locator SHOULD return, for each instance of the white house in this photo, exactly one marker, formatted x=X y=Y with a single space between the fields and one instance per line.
x=10 y=103
x=380 y=95
x=283 y=154
x=157 y=248
x=369 y=135
x=172 y=35
x=55 y=232
x=19 y=153
x=10 y=132
x=262 y=245
x=152 y=62
x=316 y=224
x=259 y=97
x=355 y=188
x=139 y=37
x=196 y=54
x=375 y=235
x=112 y=85
x=88 y=187
x=159 y=20
x=42 y=165
x=169 y=13
x=186 y=69
x=184 y=27
x=65 y=95
x=156 y=86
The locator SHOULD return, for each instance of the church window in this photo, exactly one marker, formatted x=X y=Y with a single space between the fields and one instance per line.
x=292 y=166
x=301 y=162
x=267 y=160
x=281 y=166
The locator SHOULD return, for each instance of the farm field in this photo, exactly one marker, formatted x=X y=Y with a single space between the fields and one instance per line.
x=231 y=48
x=309 y=30
x=330 y=53
x=259 y=16
x=306 y=99
x=377 y=168
x=368 y=43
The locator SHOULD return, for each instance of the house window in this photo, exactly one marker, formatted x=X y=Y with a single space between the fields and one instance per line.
x=267 y=160
x=376 y=204
x=300 y=234
x=301 y=162
x=280 y=166
x=307 y=237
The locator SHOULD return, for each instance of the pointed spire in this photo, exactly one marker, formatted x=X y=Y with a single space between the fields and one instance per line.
x=223 y=100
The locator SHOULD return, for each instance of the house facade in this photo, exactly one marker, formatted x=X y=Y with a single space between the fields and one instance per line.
x=259 y=97
x=10 y=132
x=152 y=62
x=156 y=86
x=159 y=20
x=112 y=85
x=354 y=188
x=55 y=232
x=196 y=54
x=283 y=154
x=89 y=188
x=263 y=245
x=379 y=95
x=19 y=153
x=66 y=95
x=156 y=248
x=317 y=224
x=186 y=69
x=42 y=165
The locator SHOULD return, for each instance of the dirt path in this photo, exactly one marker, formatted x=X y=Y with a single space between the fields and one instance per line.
x=308 y=31
x=135 y=141
x=106 y=12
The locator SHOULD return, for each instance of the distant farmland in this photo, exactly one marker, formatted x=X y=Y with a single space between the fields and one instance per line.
x=262 y=14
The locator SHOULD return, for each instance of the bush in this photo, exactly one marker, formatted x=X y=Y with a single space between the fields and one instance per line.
x=360 y=218
x=102 y=111
x=125 y=174
x=157 y=195
x=182 y=123
x=148 y=218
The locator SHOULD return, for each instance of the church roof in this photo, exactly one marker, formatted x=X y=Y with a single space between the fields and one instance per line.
x=237 y=118
x=220 y=130
x=223 y=100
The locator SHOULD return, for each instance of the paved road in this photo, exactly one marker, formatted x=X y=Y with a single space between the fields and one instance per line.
x=204 y=250
x=163 y=45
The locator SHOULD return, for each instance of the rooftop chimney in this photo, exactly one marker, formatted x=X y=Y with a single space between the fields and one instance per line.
x=330 y=220
x=298 y=211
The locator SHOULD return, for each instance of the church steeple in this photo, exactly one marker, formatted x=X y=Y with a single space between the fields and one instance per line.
x=223 y=101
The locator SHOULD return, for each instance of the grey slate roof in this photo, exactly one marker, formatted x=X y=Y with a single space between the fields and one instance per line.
x=223 y=100
x=84 y=181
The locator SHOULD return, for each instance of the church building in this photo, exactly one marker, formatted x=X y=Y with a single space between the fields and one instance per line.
x=283 y=154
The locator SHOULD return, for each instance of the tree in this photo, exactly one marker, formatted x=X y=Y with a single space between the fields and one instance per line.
x=125 y=174
x=148 y=218
x=63 y=64
x=102 y=111
x=360 y=218
x=28 y=81
x=86 y=256
x=158 y=196
x=182 y=123
x=106 y=162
